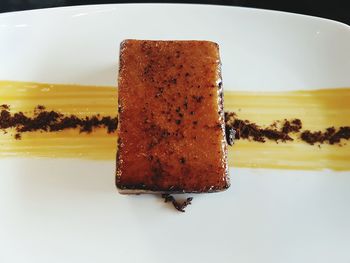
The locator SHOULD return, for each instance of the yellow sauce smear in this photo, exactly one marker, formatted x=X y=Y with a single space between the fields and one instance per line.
x=317 y=110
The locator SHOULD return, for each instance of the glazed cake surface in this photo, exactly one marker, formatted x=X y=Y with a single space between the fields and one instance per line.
x=171 y=135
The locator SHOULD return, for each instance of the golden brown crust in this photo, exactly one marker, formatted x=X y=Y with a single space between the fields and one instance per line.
x=171 y=121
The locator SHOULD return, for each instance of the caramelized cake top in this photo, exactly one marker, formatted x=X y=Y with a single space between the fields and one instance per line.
x=171 y=123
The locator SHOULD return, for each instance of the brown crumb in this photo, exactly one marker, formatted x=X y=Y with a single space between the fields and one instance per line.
x=18 y=136
x=5 y=119
x=342 y=133
x=280 y=132
x=292 y=126
x=180 y=206
x=332 y=135
x=246 y=130
x=5 y=106
x=312 y=137
x=274 y=124
x=51 y=121
x=40 y=107
x=275 y=135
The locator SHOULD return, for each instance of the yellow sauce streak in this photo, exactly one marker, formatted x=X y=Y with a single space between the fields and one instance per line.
x=317 y=109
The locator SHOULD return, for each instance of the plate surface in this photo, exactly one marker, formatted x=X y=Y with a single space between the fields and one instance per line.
x=63 y=210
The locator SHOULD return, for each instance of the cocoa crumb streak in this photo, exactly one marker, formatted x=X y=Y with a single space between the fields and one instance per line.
x=51 y=121
x=244 y=129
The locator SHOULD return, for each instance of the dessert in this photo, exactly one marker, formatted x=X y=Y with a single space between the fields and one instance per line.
x=171 y=130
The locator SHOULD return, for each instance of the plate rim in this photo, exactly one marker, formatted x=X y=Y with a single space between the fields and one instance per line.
x=200 y=5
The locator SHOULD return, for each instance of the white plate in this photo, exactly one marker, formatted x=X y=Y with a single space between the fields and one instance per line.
x=69 y=211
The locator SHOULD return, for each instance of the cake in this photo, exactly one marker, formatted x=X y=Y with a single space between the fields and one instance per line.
x=171 y=133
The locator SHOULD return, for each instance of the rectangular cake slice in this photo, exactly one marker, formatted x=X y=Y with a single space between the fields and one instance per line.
x=171 y=134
